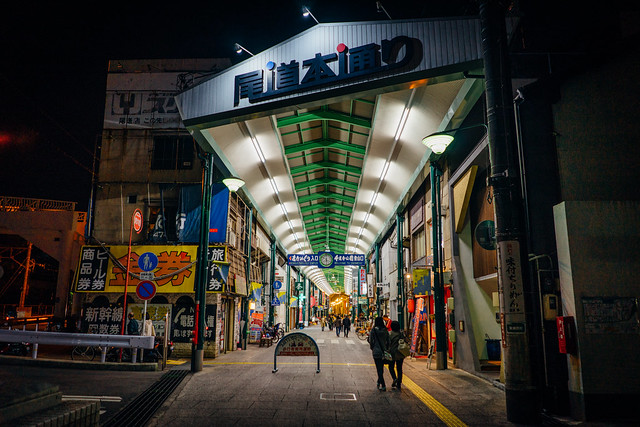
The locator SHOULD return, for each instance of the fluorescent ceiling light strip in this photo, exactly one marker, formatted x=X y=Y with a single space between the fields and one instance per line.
x=374 y=198
x=273 y=185
x=258 y=150
x=385 y=169
x=402 y=123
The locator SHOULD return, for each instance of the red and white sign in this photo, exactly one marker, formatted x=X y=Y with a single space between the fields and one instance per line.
x=137 y=221
x=363 y=282
x=146 y=290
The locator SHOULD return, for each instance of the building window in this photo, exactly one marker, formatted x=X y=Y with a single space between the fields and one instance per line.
x=171 y=152
x=419 y=247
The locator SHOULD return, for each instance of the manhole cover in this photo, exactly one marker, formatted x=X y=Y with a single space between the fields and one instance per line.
x=337 y=396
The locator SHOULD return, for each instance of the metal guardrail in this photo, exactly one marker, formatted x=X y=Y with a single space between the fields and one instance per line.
x=71 y=339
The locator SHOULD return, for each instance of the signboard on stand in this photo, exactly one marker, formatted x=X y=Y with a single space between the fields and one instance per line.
x=296 y=344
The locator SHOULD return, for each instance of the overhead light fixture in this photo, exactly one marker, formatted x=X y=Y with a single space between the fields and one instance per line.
x=233 y=183
x=240 y=48
x=439 y=141
x=306 y=12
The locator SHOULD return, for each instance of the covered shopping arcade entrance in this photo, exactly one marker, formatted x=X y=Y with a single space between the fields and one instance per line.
x=325 y=128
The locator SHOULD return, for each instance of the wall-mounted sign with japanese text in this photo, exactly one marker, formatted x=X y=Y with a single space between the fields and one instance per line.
x=510 y=271
x=183 y=321
x=92 y=269
x=102 y=319
x=174 y=270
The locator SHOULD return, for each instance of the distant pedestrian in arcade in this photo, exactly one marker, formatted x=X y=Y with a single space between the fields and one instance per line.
x=398 y=358
x=338 y=325
x=323 y=322
x=132 y=326
x=346 y=325
x=330 y=322
x=379 y=344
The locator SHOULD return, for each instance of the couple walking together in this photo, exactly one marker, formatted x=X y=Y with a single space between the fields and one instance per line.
x=384 y=347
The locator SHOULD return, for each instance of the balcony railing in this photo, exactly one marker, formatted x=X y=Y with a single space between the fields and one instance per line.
x=14 y=204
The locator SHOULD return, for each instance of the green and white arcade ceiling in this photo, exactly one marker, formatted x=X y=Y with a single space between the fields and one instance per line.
x=325 y=128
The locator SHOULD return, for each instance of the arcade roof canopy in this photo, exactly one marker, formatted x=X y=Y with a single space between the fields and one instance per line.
x=325 y=128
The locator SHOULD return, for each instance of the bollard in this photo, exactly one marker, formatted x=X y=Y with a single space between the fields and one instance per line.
x=34 y=352
x=134 y=355
x=103 y=355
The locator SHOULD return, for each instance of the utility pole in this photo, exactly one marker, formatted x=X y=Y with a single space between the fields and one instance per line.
x=522 y=399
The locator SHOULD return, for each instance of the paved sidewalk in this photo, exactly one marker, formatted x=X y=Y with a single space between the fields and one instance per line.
x=239 y=388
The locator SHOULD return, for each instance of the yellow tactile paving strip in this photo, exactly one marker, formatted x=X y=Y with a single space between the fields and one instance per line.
x=436 y=407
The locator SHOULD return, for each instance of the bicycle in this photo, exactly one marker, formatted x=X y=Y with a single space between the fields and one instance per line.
x=83 y=352
x=362 y=333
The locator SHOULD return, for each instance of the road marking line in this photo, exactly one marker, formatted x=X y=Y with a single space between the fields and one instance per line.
x=335 y=342
x=436 y=407
x=363 y=342
x=176 y=362
x=350 y=342
x=320 y=341
x=66 y=397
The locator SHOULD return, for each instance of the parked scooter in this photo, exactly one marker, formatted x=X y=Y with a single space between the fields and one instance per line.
x=14 y=348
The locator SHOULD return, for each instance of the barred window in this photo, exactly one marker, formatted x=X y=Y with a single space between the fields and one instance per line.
x=172 y=152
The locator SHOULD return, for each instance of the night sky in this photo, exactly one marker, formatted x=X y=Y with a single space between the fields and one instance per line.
x=54 y=61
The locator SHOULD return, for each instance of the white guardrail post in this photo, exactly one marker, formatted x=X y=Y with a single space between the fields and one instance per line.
x=64 y=338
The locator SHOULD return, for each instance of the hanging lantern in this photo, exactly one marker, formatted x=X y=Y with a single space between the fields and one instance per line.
x=410 y=306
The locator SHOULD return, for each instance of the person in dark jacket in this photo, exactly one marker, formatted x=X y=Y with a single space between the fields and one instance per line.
x=132 y=326
x=338 y=325
x=379 y=343
x=395 y=366
x=346 y=326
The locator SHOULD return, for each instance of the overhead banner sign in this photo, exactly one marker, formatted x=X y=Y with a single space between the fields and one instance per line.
x=326 y=259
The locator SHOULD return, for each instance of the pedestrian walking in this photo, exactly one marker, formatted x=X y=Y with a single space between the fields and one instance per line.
x=323 y=322
x=395 y=365
x=132 y=326
x=379 y=344
x=338 y=325
x=330 y=323
x=346 y=325
x=148 y=330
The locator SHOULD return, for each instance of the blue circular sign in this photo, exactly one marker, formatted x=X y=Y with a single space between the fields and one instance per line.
x=277 y=284
x=148 y=261
x=146 y=290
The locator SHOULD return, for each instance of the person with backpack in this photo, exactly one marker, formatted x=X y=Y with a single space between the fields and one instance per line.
x=379 y=345
x=346 y=325
x=395 y=365
x=338 y=325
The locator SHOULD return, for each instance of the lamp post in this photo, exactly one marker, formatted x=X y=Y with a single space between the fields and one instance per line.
x=438 y=143
x=202 y=264
x=238 y=48
x=306 y=12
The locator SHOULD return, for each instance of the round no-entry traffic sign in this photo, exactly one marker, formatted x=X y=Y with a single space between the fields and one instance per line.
x=146 y=290
x=137 y=220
